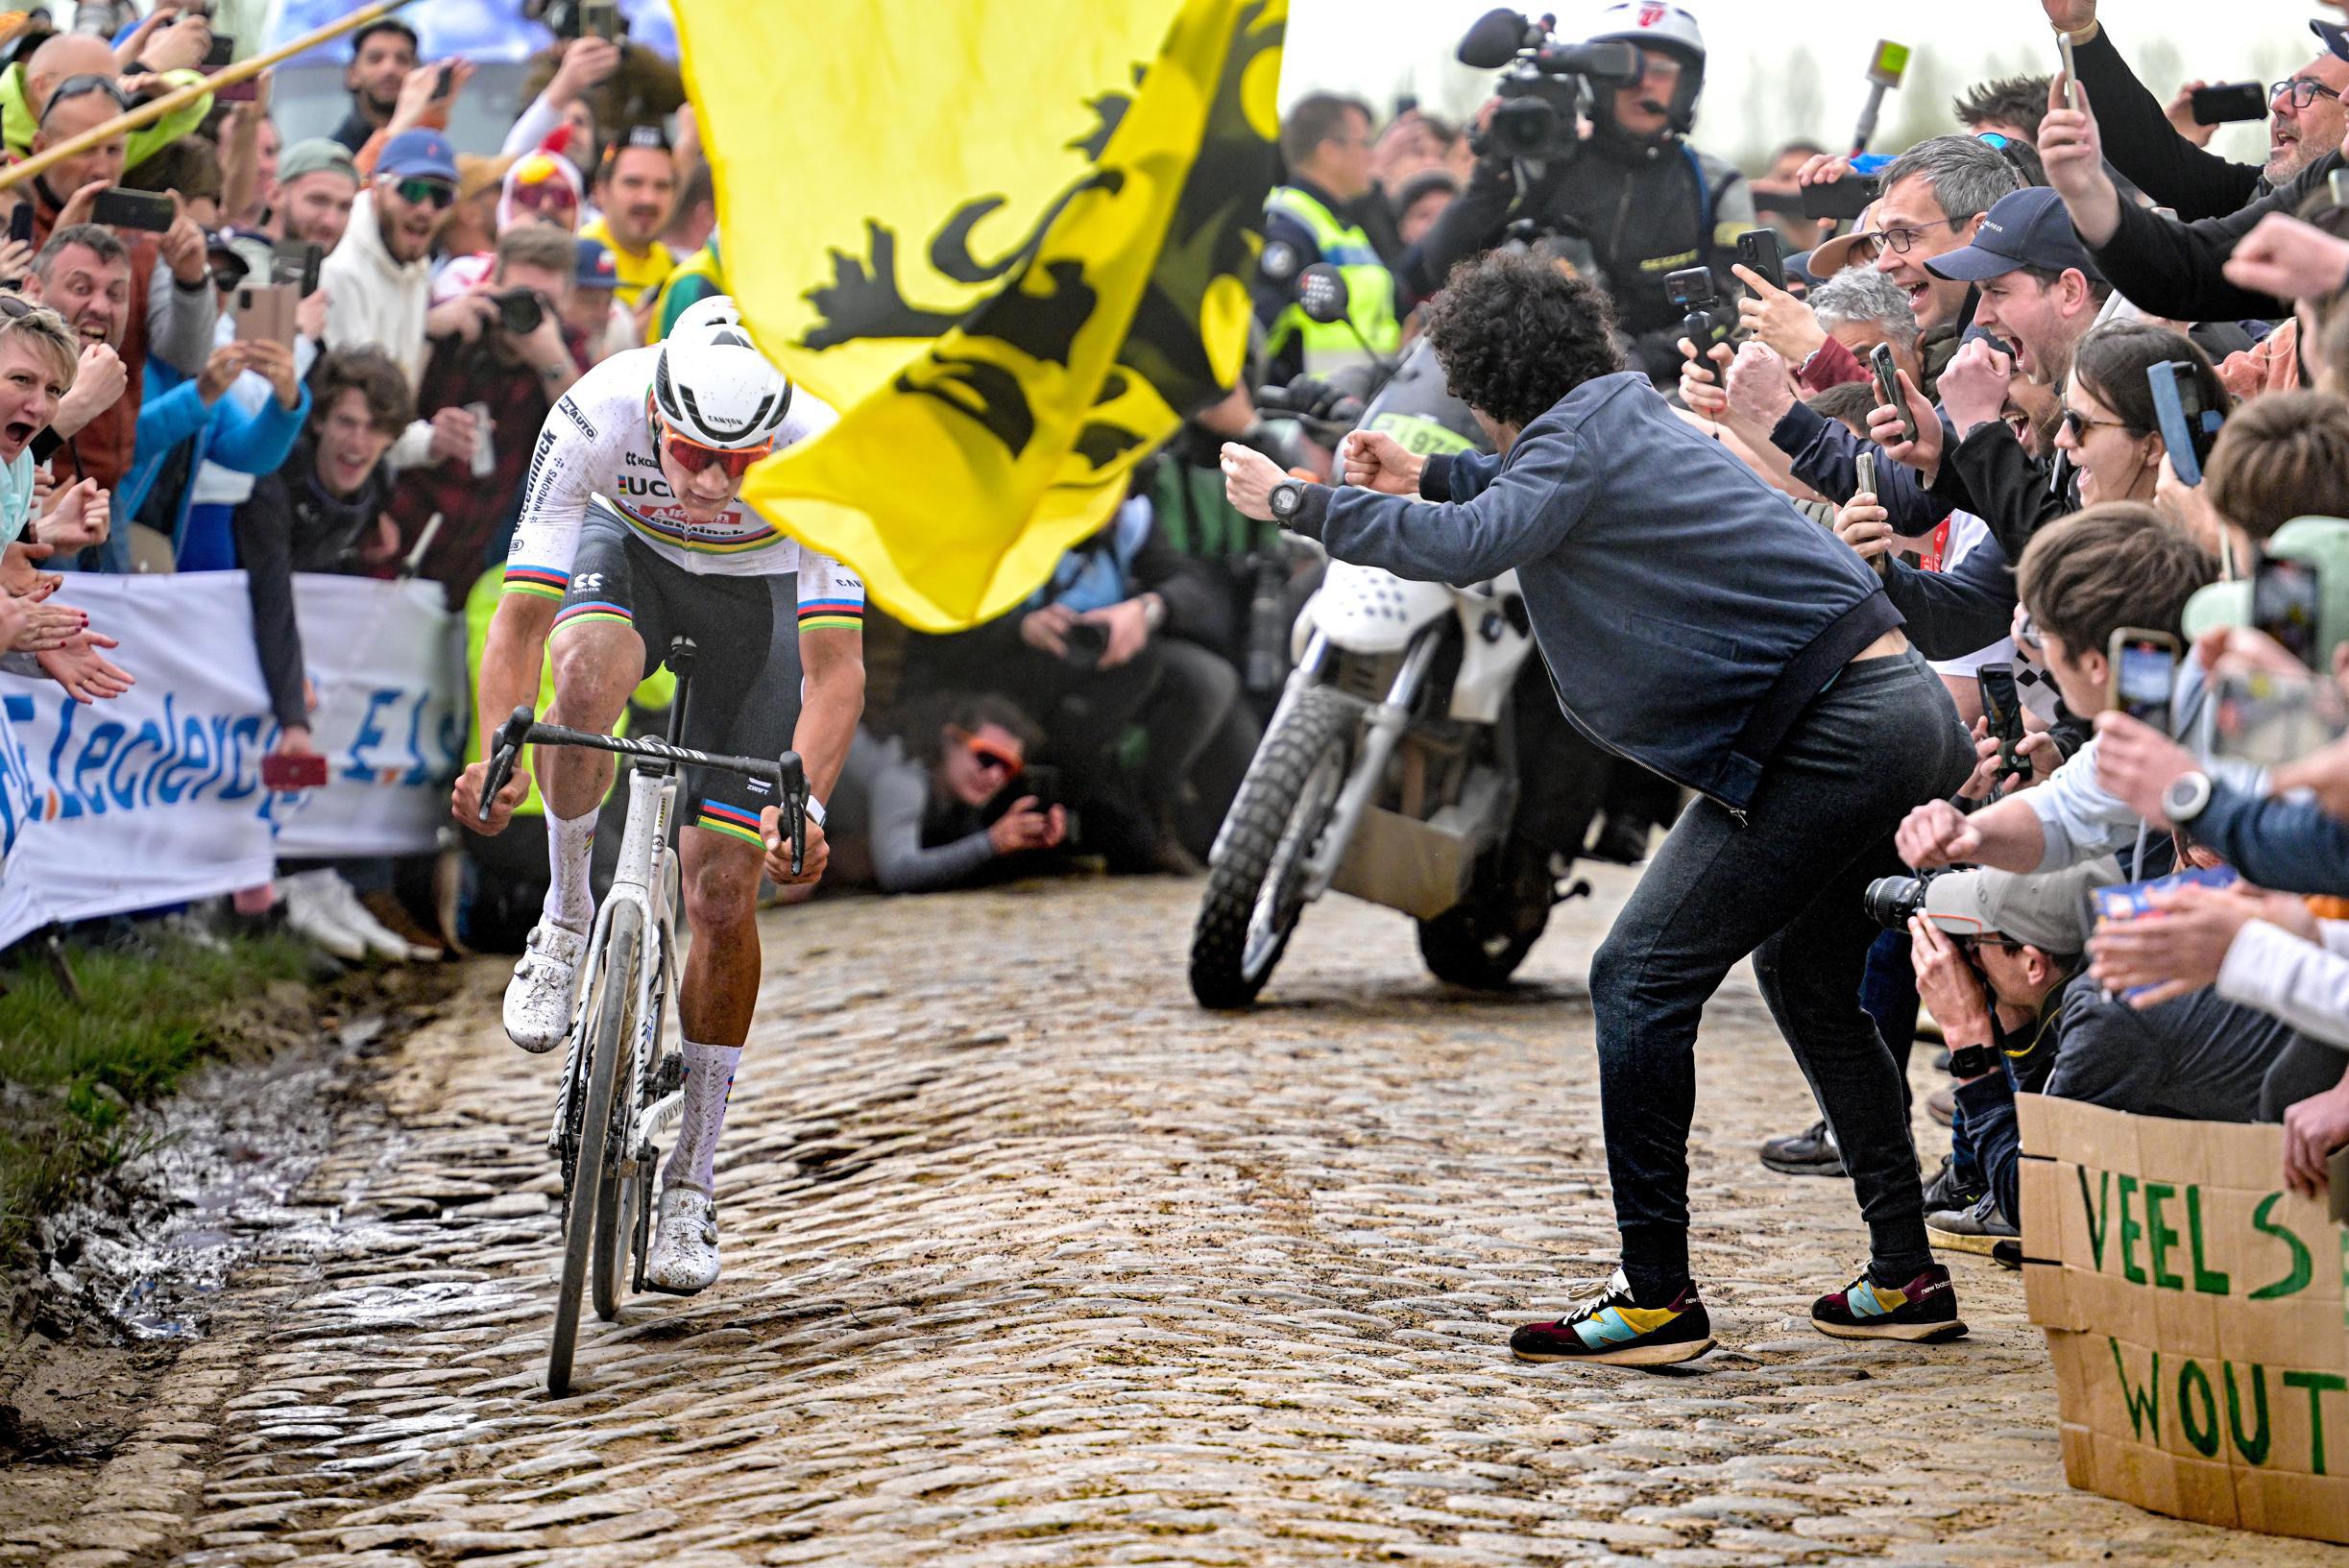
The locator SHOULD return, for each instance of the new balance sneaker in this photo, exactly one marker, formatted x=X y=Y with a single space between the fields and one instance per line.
x=546 y=981
x=1810 y=1152
x=1922 y=1312
x=1976 y=1228
x=1614 y=1330
x=684 y=1257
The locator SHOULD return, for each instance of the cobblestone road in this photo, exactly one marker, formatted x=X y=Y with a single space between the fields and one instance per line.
x=1029 y=1261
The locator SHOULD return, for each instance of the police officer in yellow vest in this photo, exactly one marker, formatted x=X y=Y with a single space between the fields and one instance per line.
x=1325 y=143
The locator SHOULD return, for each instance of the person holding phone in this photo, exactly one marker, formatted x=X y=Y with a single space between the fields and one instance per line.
x=382 y=54
x=947 y=802
x=321 y=509
x=2304 y=114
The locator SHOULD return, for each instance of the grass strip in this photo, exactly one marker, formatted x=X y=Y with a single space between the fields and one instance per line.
x=72 y=1072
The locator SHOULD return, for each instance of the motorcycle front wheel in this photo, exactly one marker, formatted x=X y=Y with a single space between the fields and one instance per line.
x=1255 y=886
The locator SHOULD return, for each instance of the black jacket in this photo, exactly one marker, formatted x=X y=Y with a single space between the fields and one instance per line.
x=1989 y=475
x=291 y=524
x=1645 y=210
x=2173 y=269
x=2140 y=142
x=1689 y=613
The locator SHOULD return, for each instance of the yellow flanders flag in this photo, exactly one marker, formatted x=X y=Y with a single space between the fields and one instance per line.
x=1006 y=239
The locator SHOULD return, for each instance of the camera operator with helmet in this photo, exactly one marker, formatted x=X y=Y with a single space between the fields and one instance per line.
x=1645 y=201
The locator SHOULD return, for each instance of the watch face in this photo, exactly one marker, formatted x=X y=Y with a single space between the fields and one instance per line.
x=1286 y=499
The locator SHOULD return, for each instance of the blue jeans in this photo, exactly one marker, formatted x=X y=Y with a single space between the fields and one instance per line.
x=1784 y=886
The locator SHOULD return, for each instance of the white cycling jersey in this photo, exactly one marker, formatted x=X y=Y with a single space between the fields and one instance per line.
x=599 y=442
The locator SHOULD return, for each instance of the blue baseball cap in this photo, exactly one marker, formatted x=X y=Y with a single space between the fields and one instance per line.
x=415 y=154
x=596 y=268
x=2335 y=36
x=2026 y=229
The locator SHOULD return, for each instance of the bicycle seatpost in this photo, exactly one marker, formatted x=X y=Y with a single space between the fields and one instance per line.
x=680 y=664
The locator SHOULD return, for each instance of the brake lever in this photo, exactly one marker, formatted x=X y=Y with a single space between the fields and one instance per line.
x=505 y=746
x=794 y=781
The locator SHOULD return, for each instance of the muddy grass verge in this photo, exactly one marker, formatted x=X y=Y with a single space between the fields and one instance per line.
x=153 y=1134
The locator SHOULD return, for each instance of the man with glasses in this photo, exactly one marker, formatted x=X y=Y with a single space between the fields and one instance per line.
x=2169 y=269
x=634 y=531
x=1325 y=144
x=378 y=281
x=2305 y=122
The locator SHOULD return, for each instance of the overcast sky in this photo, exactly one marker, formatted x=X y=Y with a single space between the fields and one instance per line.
x=1766 y=81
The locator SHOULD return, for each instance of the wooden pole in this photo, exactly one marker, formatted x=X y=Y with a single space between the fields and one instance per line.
x=154 y=108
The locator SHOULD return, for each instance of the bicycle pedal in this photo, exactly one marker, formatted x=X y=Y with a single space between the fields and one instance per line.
x=668 y=1290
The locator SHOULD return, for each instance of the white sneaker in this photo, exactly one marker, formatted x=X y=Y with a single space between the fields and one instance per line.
x=545 y=983
x=684 y=1258
x=360 y=920
x=310 y=914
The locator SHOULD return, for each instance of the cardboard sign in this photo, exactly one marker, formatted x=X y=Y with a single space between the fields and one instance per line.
x=2197 y=1315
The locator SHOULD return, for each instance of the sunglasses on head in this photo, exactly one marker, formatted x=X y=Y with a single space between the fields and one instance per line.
x=81 y=86
x=693 y=456
x=423 y=190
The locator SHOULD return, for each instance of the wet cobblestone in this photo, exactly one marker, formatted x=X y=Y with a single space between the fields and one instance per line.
x=1028 y=1261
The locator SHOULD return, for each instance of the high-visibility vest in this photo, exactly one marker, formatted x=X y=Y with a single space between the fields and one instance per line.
x=1369 y=285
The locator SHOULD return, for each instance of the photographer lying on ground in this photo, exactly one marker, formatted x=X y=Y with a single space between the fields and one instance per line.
x=1695 y=623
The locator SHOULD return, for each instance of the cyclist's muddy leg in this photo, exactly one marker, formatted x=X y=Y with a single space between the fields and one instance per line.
x=719 y=992
x=597 y=663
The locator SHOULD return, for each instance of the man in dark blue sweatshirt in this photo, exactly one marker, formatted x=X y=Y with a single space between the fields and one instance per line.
x=1695 y=623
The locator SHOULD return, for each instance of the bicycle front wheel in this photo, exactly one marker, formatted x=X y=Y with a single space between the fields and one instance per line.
x=611 y=1022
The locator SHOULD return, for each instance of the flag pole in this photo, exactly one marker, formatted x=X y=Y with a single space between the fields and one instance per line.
x=154 y=108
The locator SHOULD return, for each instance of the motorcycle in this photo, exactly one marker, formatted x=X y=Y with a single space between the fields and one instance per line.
x=1389 y=768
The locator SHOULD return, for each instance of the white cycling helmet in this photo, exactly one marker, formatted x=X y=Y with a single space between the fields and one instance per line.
x=712 y=386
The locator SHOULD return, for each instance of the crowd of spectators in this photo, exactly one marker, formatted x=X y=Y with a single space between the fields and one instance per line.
x=2034 y=275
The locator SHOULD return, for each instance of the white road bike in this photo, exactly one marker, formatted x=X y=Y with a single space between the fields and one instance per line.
x=621 y=1090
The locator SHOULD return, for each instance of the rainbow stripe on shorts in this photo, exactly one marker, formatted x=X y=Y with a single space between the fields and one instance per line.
x=730 y=820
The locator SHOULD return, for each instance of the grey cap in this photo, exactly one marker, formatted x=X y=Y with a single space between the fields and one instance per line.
x=2050 y=912
x=314 y=153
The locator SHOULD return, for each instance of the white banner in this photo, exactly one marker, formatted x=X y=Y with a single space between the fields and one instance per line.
x=155 y=797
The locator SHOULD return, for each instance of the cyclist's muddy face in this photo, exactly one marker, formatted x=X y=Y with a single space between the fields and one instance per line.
x=703 y=494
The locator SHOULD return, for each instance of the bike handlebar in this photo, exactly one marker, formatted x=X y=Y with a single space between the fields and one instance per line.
x=785 y=773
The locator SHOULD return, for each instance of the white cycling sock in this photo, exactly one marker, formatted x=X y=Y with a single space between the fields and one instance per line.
x=571 y=898
x=709 y=1081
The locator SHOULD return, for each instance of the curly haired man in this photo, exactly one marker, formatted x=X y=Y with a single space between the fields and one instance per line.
x=1695 y=622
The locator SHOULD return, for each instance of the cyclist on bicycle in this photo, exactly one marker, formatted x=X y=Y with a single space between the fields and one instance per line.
x=633 y=532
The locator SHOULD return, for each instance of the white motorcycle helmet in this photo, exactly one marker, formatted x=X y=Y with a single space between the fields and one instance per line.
x=712 y=386
x=1668 y=29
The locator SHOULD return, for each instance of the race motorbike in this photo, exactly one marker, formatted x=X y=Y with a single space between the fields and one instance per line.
x=1389 y=768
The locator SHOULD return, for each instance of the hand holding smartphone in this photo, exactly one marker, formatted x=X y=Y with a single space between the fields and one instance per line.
x=284 y=771
x=1887 y=377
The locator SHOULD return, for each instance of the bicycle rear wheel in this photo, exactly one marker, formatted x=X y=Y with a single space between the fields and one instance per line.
x=610 y=1022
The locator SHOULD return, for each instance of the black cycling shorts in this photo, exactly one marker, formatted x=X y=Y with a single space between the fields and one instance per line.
x=743 y=697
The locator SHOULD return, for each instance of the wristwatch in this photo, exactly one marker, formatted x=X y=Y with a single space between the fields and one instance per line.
x=1972 y=1062
x=2187 y=798
x=1287 y=499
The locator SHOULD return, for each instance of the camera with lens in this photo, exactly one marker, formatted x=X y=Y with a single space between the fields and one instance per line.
x=1543 y=87
x=1893 y=901
x=520 y=311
